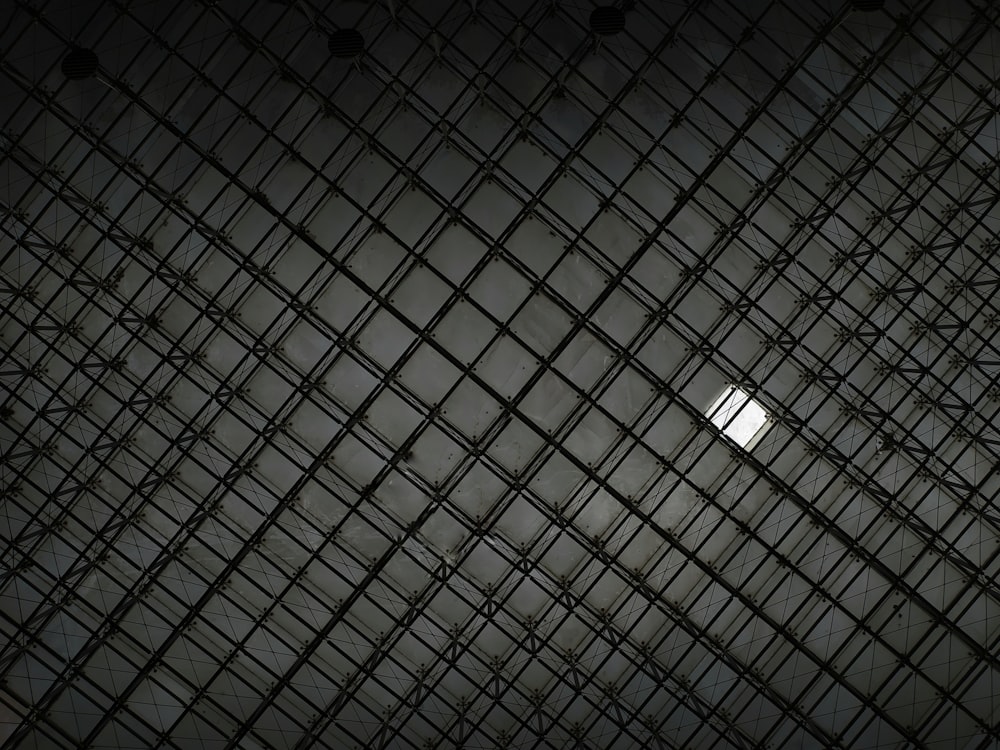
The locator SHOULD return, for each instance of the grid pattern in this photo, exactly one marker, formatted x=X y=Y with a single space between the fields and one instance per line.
x=359 y=401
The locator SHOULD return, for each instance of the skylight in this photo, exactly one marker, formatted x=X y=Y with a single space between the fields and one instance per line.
x=737 y=415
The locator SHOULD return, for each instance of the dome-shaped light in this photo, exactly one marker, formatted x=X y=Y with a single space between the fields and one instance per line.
x=346 y=43
x=79 y=64
x=868 y=5
x=607 y=20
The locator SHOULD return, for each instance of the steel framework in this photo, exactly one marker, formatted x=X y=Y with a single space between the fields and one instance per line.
x=359 y=400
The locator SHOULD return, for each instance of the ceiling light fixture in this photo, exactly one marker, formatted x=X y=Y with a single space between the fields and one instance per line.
x=79 y=63
x=607 y=20
x=346 y=43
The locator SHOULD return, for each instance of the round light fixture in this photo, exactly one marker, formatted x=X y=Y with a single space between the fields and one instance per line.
x=346 y=43
x=79 y=63
x=607 y=20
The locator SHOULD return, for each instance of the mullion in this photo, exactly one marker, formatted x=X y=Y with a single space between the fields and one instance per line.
x=35 y=723
x=246 y=110
x=106 y=467
x=487 y=313
x=44 y=308
x=269 y=698
x=775 y=636
x=693 y=522
x=47 y=408
x=150 y=674
x=260 y=622
x=883 y=381
x=895 y=577
x=220 y=91
x=608 y=638
x=316 y=729
x=905 y=660
x=43 y=175
x=223 y=668
x=704 y=630
x=890 y=177
x=210 y=591
x=971 y=675
x=907 y=22
x=692 y=559
x=538 y=699
x=145 y=670
x=79 y=662
x=693 y=411
x=511 y=683
x=458 y=473
x=745 y=670
x=798 y=646
x=940 y=711
x=943 y=312
x=95 y=685
x=565 y=161
x=130 y=561
x=190 y=618
x=890 y=578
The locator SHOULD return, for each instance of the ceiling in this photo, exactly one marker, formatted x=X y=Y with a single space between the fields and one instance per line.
x=358 y=359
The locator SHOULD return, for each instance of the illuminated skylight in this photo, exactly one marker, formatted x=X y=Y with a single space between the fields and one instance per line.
x=737 y=415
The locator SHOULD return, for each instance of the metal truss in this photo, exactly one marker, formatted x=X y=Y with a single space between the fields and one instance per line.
x=360 y=400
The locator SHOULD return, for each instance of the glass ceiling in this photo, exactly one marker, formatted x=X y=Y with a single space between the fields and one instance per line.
x=360 y=400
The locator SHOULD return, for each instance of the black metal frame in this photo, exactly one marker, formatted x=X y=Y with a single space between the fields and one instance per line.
x=189 y=561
